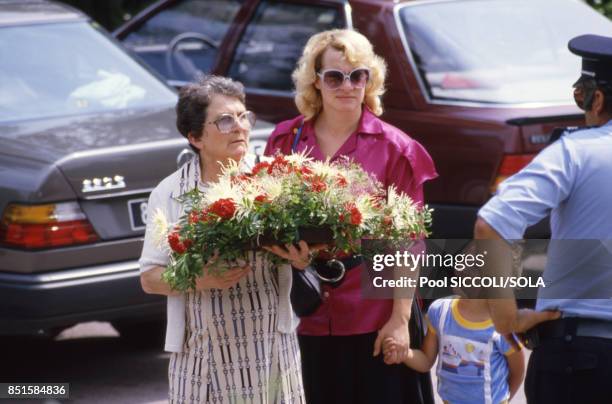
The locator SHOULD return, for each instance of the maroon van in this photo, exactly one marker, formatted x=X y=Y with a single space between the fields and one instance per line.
x=480 y=83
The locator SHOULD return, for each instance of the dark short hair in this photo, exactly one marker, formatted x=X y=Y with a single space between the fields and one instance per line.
x=606 y=89
x=194 y=99
x=589 y=85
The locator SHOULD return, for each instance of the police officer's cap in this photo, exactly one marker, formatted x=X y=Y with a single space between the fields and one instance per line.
x=596 y=53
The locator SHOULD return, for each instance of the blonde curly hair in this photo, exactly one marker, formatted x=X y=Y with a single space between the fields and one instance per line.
x=357 y=50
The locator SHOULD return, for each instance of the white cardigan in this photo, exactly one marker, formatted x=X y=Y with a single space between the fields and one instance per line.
x=164 y=197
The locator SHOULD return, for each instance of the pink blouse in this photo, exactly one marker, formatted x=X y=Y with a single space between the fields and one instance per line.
x=394 y=158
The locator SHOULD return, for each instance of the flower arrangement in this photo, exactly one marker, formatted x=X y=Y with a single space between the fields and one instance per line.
x=280 y=201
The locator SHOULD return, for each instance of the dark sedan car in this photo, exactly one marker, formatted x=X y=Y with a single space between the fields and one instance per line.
x=86 y=133
x=480 y=83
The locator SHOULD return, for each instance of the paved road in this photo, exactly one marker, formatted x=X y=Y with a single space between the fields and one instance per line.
x=93 y=359
x=99 y=367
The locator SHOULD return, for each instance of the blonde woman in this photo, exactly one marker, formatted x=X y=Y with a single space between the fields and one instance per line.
x=339 y=83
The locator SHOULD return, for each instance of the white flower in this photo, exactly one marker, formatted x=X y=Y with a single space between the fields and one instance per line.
x=406 y=215
x=299 y=159
x=365 y=204
x=399 y=205
x=223 y=189
x=270 y=186
x=160 y=230
x=324 y=169
x=230 y=169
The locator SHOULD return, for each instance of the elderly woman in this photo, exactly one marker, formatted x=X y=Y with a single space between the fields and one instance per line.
x=339 y=83
x=232 y=338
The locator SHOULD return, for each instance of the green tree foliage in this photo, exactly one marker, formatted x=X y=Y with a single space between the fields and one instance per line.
x=109 y=13
x=603 y=6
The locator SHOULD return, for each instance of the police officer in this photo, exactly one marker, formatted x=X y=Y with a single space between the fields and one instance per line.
x=572 y=181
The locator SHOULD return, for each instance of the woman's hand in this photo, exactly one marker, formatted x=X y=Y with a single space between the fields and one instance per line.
x=222 y=281
x=390 y=347
x=395 y=330
x=298 y=256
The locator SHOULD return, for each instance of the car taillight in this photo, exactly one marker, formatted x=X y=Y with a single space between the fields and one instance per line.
x=45 y=226
x=511 y=164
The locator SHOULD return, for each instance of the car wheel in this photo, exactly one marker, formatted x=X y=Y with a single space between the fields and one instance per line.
x=39 y=343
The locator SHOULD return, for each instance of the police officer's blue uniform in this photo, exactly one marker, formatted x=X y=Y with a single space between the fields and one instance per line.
x=572 y=181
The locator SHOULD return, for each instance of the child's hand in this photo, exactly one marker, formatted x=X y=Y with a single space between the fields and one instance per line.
x=389 y=346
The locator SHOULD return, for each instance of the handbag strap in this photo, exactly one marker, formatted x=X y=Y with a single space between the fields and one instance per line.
x=296 y=139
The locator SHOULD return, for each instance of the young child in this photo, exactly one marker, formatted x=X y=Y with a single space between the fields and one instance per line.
x=475 y=363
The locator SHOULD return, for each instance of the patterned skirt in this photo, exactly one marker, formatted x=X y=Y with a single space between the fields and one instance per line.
x=233 y=352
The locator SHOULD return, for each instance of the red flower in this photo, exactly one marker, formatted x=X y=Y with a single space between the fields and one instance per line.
x=388 y=221
x=173 y=238
x=262 y=199
x=264 y=165
x=318 y=185
x=175 y=243
x=305 y=171
x=239 y=178
x=280 y=165
x=204 y=216
x=224 y=208
x=379 y=201
x=187 y=243
x=194 y=217
x=341 y=181
x=356 y=216
x=280 y=160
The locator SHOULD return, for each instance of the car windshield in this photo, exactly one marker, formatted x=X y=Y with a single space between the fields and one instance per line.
x=506 y=51
x=49 y=70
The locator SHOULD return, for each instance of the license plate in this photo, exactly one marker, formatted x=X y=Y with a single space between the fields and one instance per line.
x=138 y=213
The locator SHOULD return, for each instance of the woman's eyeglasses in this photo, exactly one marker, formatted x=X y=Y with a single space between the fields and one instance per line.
x=334 y=79
x=227 y=123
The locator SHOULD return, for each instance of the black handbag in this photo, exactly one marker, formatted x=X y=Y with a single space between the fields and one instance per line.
x=305 y=292
x=305 y=287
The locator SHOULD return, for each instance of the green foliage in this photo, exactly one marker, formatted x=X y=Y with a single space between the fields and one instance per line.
x=603 y=6
x=281 y=202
